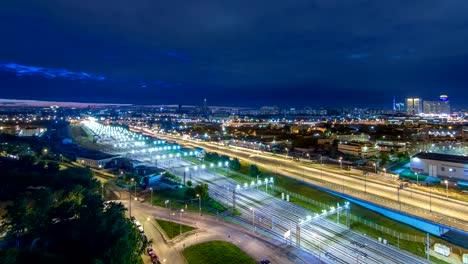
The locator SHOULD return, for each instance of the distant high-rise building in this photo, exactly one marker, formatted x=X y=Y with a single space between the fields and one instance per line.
x=437 y=107
x=400 y=107
x=413 y=106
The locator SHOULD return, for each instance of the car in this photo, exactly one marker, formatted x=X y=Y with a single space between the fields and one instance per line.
x=149 y=250
x=141 y=229
x=132 y=218
x=144 y=238
x=137 y=223
x=264 y=261
x=154 y=257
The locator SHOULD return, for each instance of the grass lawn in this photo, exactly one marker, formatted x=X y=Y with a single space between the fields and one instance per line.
x=173 y=229
x=178 y=200
x=214 y=252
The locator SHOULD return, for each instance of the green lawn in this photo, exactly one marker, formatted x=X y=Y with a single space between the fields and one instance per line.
x=178 y=200
x=215 y=252
x=173 y=229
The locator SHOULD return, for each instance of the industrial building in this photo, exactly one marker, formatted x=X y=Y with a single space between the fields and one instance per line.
x=443 y=166
x=359 y=149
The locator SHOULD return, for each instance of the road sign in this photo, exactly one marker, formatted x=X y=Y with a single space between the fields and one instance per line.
x=166 y=202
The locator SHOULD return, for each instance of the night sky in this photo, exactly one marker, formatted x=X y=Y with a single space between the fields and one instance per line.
x=238 y=53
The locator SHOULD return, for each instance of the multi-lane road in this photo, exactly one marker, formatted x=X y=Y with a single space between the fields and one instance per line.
x=381 y=191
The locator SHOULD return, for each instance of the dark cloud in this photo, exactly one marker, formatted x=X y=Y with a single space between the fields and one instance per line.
x=246 y=51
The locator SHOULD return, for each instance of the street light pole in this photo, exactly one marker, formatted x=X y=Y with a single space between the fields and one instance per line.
x=151 y=201
x=398 y=189
x=180 y=221
x=253 y=217
x=199 y=203
x=430 y=199
x=340 y=160
x=130 y=206
x=365 y=182
x=134 y=184
x=446 y=188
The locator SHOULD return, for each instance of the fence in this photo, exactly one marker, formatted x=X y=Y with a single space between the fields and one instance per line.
x=388 y=231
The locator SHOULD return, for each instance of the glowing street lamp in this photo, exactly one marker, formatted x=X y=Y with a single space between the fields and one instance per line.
x=446 y=187
x=199 y=203
x=253 y=217
x=341 y=163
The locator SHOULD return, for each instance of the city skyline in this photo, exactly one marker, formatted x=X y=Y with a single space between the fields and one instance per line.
x=297 y=53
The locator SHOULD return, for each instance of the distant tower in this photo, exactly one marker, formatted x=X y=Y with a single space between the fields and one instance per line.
x=204 y=104
x=394 y=103
x=444 y=104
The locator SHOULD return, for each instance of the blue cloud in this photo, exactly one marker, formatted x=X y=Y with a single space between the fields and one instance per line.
x=178 y=56
x=49 y=73
x=358 y=56
x=52 y=73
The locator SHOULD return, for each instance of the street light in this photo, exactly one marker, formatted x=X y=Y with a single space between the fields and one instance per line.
x=253 y=217
x=133 y=182
x=341 y=164
x=417 y=178
x=308 y=155
x=199 y=203
x=180 y=221
x=430 y=199
x=385 y=172
x=287 y=152
x=375 y=167
x=446 y=187
x=151 y=201
x=365 y=182
x=130 y=198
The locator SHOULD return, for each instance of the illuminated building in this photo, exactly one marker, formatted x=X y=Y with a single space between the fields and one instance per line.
x=444 y=166
x=413 y=106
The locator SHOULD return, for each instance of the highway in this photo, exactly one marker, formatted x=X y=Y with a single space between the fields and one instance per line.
x=384 y=192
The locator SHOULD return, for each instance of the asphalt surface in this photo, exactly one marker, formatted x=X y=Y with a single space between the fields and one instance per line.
x=209 y=228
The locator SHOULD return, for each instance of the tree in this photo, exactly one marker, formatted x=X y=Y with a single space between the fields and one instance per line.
x=385 y=158
x=211 y=157
x=254 y=171
x=53 y=167
x=202 y=190
x=190 y=192
x=189 y=183
x=235 y=164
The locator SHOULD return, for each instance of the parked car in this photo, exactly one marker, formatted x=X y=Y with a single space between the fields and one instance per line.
x=154 y=257
x=264 y=261
x=149 y=250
